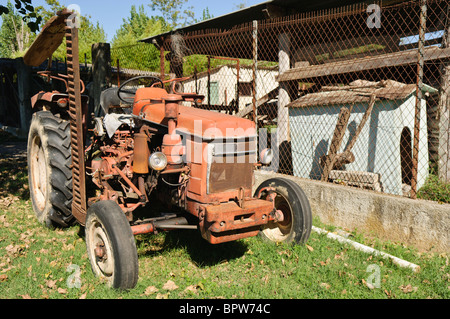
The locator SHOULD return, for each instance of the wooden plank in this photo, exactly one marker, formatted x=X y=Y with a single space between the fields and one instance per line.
x=48 y=40
x=363 y=64
x=336 y=141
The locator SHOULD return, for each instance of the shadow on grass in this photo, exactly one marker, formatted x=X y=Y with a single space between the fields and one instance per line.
x=14 y=176
x=201 y=252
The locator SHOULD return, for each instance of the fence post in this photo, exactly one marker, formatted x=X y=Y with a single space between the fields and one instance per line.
x=23 y=86
x=444 y=109
x=420 y=66
x=284 y=64
x=101 y=72
x=254 y=70
x=162 y=61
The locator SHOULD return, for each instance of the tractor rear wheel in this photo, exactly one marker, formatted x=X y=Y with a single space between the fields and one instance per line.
x=111 y=246
x=49 y=173
x=290 y=200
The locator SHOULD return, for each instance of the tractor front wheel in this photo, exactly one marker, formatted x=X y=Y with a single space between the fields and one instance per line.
x=111 y=246
x=293 y=205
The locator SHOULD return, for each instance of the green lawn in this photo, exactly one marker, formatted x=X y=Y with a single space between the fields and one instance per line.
x=36 y=262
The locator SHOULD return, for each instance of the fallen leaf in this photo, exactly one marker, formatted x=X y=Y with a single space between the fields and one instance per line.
x=408 y=288
x=367 y=284
x=83 y=296
x=62 y=291
x=150 y=290
x=170 y=285
x=309 y=248
x=25 y=296
x=3 y=278
x=325 y=285
x=51 y=283
x=192 y=288
x=162 y=296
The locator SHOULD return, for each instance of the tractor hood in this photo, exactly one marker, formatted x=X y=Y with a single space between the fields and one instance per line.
x=191 y=120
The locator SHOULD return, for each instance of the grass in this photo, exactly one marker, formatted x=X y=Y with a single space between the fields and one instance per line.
x=435 y=190
x=37 y=262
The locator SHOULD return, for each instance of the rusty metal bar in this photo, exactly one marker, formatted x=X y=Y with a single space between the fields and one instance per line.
x=209 y=82
x=420 y=66
x=118 y=72
x=79 y=203
x=161 y=62
x=127 y=180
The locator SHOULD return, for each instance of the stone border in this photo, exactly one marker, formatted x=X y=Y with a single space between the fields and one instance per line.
x=418 y=223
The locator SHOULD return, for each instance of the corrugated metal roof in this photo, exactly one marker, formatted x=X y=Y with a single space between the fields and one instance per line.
x=262 y=11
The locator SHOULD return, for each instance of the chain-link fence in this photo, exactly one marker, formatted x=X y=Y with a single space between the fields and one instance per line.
x=356 y=95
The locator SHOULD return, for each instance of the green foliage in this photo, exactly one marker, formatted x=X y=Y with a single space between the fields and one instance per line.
x=15 y=34
x=27 y=11
x=125 y=48
x=17 y=37
x=435 y=190
x=174 y=12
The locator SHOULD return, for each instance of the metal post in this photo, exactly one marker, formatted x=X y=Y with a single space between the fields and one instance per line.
x=420 y=66
x=209 y=82
x=254 y=71
x=118 y=72
x=161 y=61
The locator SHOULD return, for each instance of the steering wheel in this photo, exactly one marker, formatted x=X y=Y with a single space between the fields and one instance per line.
x=132 y=92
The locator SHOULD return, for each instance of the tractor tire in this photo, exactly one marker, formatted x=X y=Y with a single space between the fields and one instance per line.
x=49 y=172
x=294 y=205
x=111 y=246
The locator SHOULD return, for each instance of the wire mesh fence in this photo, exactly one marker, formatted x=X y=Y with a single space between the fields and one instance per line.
x=356 y=95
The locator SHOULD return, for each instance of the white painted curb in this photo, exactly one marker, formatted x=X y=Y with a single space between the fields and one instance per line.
x=367 y=249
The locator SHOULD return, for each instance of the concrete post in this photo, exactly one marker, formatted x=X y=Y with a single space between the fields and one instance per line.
x=282 y=152
x=283 y=97
x=444 y=111
x=101 y=73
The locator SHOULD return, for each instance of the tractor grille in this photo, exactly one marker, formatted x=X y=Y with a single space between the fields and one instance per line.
x=230 y=164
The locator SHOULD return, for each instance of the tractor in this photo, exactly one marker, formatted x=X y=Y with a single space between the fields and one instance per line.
x=150 y=145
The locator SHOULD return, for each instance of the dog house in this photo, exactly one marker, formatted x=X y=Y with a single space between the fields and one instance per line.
x=381 y=147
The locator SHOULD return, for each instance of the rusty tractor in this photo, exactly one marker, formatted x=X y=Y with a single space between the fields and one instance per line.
x=106 y=172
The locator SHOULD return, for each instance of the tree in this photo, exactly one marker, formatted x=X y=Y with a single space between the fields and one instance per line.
x=25 y=8
x=15 y=34
x=206 y=15
x=173 y=12
x=137 y=26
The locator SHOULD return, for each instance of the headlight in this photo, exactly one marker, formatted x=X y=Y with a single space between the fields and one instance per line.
x=266 y=156
x=157 y=161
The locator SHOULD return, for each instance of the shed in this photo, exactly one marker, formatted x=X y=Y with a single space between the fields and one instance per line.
x=228 y=86
x=383 y=149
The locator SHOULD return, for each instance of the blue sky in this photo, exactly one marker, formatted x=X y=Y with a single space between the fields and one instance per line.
x=111 y=13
